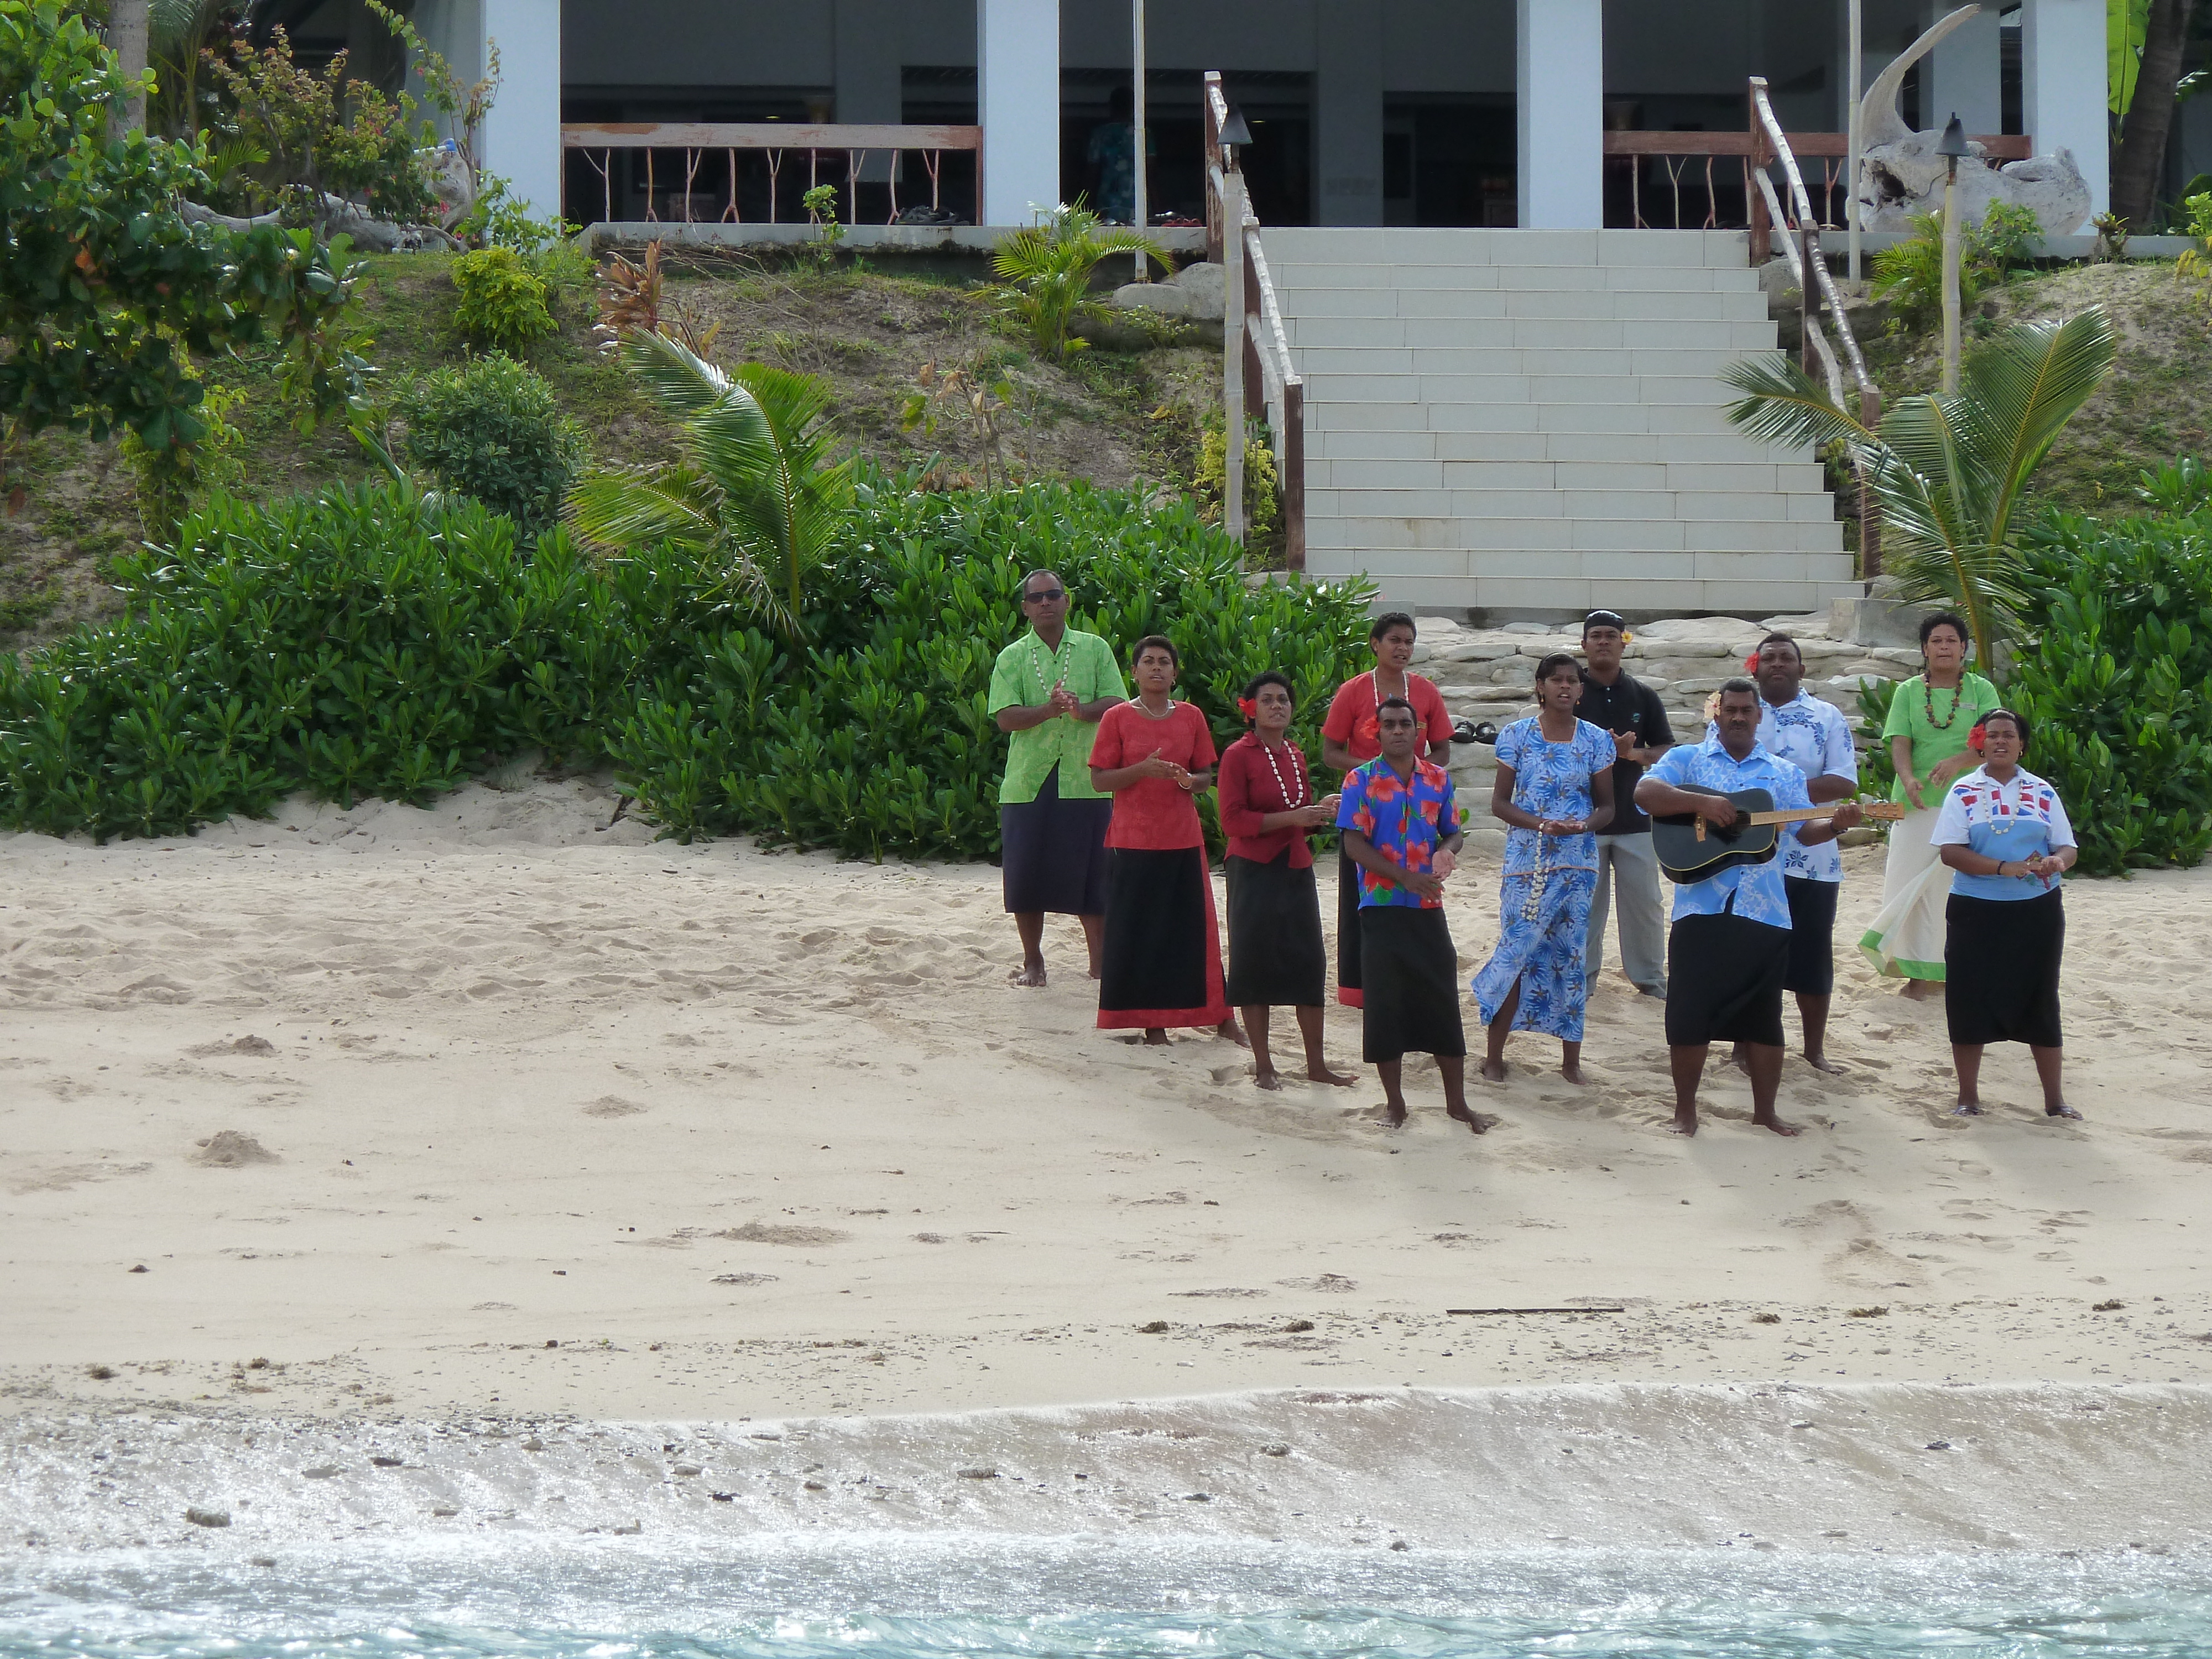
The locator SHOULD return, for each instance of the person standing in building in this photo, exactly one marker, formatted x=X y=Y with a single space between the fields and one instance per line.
x=1048 y=688
x=1627 y=870
x=1112 y=154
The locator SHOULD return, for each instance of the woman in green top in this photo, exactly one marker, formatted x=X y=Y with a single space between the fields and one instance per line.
x=1930 y=721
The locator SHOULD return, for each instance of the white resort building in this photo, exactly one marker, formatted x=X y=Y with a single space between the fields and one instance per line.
x=1507 y=237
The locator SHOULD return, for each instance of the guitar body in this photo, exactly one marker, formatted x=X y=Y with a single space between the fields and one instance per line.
x=1685 y=858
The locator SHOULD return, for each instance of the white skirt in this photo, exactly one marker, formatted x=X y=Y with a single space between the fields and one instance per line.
x=1905 y=938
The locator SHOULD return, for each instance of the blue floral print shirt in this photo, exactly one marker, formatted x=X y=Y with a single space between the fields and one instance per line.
x=1553 y=780
x=1750 y=890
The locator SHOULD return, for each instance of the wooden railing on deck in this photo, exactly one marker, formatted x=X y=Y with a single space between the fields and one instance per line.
x=1273 y=390
x=847 y=148
x=1665 y=166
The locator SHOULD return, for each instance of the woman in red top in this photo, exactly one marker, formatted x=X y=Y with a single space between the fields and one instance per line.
x=1276 y=953
x=1349 y=737
x=1160 y=965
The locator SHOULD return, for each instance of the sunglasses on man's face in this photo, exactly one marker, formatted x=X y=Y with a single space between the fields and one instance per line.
x=1043 y=594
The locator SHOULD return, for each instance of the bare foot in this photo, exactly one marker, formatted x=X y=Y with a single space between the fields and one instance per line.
x=1919 y=989
x=1393 y=1115
x=1268 y=1081
x=1572 y=1070
x=1822 y=1063
x=1155 y=1038
x=1493 y=1071
x=1230 y=1028
x=1094 y=971
x=1335 y=1080
x=1029 y=973
x=2061 y=1110
x=1685 y=1123
x=1460 y=1114
x=1967 y=1109
x=1777 y=1125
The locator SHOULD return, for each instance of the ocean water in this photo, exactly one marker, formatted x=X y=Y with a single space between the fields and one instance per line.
x=890 y=1597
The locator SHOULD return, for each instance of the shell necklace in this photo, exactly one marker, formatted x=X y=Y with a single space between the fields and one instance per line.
x=1375 y=684
x=1038 y=668
x=1928 y=702
x=2001 y=821
x=1140 y=704
x=1291 y=802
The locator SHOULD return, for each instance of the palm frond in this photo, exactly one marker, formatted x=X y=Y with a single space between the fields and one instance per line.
x=1783 y=404
x=2031 y=379
x=685 y=384
x=621 y=507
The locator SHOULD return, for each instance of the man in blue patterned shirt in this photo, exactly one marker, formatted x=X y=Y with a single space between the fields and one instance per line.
x=1729 y=949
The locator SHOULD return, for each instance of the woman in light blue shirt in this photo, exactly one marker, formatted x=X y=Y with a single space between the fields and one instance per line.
x=2004 y=834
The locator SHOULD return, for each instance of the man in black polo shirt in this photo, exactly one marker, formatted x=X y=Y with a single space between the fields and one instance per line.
x=1627 y=869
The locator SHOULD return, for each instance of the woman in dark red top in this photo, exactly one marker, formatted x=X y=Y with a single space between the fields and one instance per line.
x=1349 y=737
x=1160 y=963
x=1276 y=953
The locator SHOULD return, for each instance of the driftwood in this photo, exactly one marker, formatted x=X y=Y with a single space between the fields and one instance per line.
x=338 y=217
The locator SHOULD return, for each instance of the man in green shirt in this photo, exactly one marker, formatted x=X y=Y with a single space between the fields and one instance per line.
x=1048 y=690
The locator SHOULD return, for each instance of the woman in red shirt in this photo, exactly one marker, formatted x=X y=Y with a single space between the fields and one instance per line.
x=1276 y=953
x=1349 y=737
x=1160 y=965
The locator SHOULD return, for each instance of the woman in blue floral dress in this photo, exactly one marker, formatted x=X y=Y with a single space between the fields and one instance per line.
x=1554 y=790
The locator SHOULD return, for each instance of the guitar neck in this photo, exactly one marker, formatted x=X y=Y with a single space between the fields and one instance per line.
x=1797 y=815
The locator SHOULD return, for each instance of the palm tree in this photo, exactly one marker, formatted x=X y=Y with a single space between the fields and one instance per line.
x=1046 y=270
x=754 y=496
x=1948 y=474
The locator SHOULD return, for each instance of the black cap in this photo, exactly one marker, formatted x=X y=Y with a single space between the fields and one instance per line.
x=1605 y=619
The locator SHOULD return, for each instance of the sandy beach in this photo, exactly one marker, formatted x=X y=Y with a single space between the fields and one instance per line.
x=490 y=1112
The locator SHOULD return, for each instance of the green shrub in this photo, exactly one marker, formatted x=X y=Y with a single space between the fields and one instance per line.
x=2114 y=683
x=493 y=429
x=375 y=643
x=172 y=482
x=502 y=304
x=1910 y=276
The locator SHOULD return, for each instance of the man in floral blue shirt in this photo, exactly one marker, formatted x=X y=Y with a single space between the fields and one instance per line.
x=1729 y=950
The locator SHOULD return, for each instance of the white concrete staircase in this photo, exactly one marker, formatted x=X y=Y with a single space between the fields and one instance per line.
x=1531 y=421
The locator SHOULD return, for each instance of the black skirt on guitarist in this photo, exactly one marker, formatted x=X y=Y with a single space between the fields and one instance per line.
x=1729 y=953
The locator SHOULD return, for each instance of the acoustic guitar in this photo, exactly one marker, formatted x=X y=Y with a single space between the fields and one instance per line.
x=1689 y=849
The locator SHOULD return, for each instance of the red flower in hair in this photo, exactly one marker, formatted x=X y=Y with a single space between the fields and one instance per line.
x=1751 y=663
x=1248 y=707
x=1974 y=737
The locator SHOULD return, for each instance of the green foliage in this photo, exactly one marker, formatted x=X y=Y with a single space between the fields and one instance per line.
x=105 y=291
x=363 y=644
x=2182 y=487
x=1948 y=473
x=821 y=205
x=757 y=500
x=378 y=643
x=173 y=481
x=1044 y=271
x=502 y=306
x=2196 y=261
x=493 y=429
x=2126 y=23
x=2116 y=682
x=499 y=220
x=875 y=740
x=324 y=132
x=1910 y=276
x=1877 y=772
x=1262 y=504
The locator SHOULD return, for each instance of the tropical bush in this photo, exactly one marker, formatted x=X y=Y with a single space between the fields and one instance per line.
x=172 y=482
x=382 y=643
x=1910 y=275
x=1044 y=271
x=874 y=739
x=502 y=306
x=2116 y=682
x=493 y=429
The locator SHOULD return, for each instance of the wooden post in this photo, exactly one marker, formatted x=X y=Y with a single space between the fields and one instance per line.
x=1212 y=160
x=1233 y=337
x=1869 y=513
x=1762 y=234
x=1294 y=476
x=1255 y=383
x=1808 y=307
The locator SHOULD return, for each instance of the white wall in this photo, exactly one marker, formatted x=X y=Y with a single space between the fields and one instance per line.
x=1560 y=94
x=1018 y=94
x=2062 y=79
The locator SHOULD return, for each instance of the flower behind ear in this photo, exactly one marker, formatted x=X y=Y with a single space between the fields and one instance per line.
x=1751 y=663
x=1974 y=737
x=1248 y=707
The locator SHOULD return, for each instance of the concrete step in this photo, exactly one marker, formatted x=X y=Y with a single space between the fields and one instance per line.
x=1572 y=481
x=1395 y=536
x=1606 y=449
x=1652 y=506
x=1566 y=592
x=1617 y=249
x=1370 y=415
x=1575 y=352
x=1621 y=389
x=1597 y=281
x=1723 y=322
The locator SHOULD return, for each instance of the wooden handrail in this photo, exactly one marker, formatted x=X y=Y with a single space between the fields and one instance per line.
x=761 y=134
x=1273 y=386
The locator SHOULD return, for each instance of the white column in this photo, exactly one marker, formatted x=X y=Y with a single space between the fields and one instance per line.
x=2063 y=75
x=1018 y=101
x=1964 y=75
x=1348 y=52
x=522 y=133
x=1560 y=85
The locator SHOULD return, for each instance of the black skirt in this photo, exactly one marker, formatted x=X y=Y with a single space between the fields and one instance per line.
x=1812 y=970
x=1053 y=852
x=1277 y=958
x=1348 y=981
x=2001 y=961
x=1160 y=965
x=1724 y=981
x=1411 y=1004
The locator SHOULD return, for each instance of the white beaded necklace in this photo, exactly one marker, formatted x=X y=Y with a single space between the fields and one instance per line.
x=1290 y=801
x=1044 y=684
x=1139 y=703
